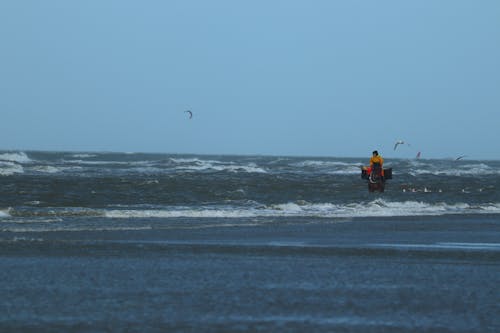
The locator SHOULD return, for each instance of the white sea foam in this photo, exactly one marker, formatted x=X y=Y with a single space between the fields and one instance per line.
x=179 y=164
x=73 y=228
x=176 y=213
x=195 y=164
x=443 y=245
x=27 y=239
x=376 y=208
x=351 y=170
x=186 y=160
x=315 y=163
x=475 y=246
x=330 y=167
x=4 y=213
x=251 y=168
x=11 y=163
x=10 y=168
x=47 y=169
x=479 y=169
x=83 y=155
x=20 y=157
x=138 y=163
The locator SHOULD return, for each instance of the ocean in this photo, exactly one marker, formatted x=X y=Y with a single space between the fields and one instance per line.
x=142 y=242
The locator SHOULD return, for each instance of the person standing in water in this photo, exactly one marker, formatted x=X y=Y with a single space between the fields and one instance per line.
x=376 y=159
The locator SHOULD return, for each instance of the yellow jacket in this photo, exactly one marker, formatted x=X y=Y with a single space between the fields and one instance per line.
x=377 y=159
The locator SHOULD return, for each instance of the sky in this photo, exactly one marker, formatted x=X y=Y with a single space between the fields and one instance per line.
x=266 y=77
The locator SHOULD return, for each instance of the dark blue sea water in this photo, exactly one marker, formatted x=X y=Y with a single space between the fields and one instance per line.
x=93 y=242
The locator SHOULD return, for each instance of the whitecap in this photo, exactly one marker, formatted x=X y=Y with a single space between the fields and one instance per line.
x=27 y=239
x=83 y=155
x=4 y=214
x=47 y=169
x=442 y=245
x=73 y=228
x=351 y=170
x=20 y=157
x=108 y=162
x=195 y=164
x=317 y=163
x=479 y=169
x=177 y=213
x=329 y=167
x=10 y=168
x=376 y=208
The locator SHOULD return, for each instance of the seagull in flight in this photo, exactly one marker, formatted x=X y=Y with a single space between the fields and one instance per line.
x=399 y=142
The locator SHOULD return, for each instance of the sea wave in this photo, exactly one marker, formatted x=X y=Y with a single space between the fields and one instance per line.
x=178 y=213
x=195 y=164
x=83 y=155
x=101 y=163
x=317 y=163
x=328 y=167
x=18 y=157
x=168 y=165
x=10 y=168
x=72 y=228
x=376 y=208
x=4 y=213
x=98 y=163
x=11 y=163
x=383 y=208
x=53 y=212
x=479 y=169
x=47 y=169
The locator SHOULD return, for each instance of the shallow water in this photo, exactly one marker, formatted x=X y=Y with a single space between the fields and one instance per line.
x=379 y=275
x=153 y=243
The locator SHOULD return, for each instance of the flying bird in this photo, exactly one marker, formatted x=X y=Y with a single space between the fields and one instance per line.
x=399 y=142
x=460 y=157
x=190 y=113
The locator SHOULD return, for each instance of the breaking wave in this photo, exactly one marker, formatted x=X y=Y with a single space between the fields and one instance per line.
x=329 y=167
x=376 y=208
x=10 y=168
x=195 y=164
x=4 y=213
x=115 y=163
x=19 y=157
x=11 y=163
x=479 y=169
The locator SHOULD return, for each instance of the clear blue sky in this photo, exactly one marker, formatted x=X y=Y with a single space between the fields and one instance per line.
x=330 y=78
